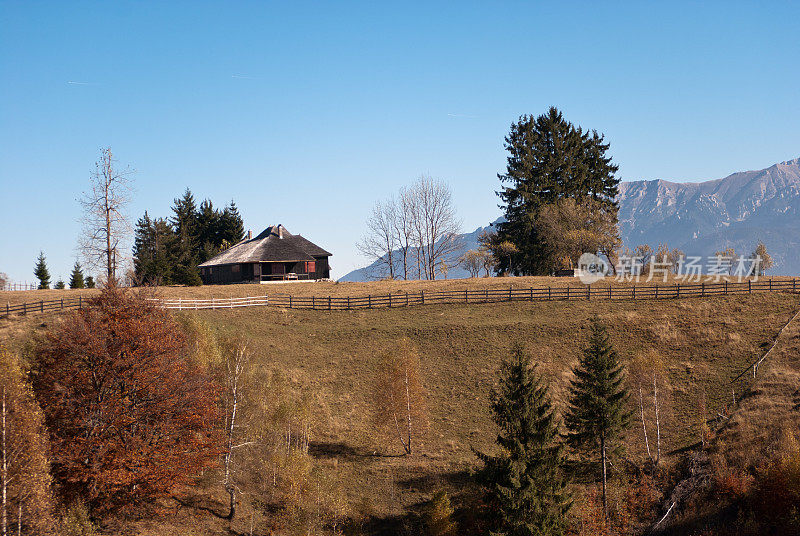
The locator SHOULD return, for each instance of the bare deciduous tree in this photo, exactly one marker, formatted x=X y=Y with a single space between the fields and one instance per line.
x=404 y=230
x=420 y=223
x=435 y=225
x=381 y=239
x=105 y=226
x=399 y=397
x=647 y=368
x=237 y=357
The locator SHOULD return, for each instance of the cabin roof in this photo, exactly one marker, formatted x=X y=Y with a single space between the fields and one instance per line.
x=274 y=244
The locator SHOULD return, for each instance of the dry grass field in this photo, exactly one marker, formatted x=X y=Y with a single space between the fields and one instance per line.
x=333 y=358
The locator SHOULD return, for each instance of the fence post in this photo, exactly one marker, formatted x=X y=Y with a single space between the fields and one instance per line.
x=509 y=293
x=80 y=301
x=726 y=287
x=794 y=279
x=348 y=302
x=313 y=303
x=770 y=284
x=62 y=304
x=549 y=293
x=677 y=290
x=406 y=299
x=567 y=292
x=25 y=308
x=588 y=292
x=609 y=291
x=41 y=306
x=466 y=295
x=634 y=291
x=329 y=303
x=656 y=290
x=422 y=296
x=369 y=301
x=749 y=286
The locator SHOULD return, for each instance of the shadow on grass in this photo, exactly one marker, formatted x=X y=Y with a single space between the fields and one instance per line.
x=344 y=452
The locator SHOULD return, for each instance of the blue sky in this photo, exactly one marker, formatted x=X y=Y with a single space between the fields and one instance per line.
x=306 y=113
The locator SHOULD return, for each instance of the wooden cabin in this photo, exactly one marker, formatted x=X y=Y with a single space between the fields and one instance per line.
x=273 y=255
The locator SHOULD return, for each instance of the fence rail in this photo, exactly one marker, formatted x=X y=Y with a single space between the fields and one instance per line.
x=370 y=301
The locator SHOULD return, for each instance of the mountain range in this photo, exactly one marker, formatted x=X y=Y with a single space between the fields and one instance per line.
x=700 y=218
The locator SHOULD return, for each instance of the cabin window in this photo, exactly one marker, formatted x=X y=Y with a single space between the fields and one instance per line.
x=235 y=268
x=311 y=267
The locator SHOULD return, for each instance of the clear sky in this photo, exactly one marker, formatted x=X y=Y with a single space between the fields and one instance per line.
x=306 y=113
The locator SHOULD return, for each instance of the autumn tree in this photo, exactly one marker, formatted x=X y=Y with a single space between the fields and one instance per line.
x=105 y=224
x=524 y=483
x=400 y=409
x=598 y=412
x=25 y=499
x=762 y=260
x=570 y=227
x=129 y=415
x=438 y=516
x=472 y=261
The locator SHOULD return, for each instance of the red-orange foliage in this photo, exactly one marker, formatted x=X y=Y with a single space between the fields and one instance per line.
x=129 y=416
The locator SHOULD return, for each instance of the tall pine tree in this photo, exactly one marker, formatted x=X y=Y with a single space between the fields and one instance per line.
x=41 y=272
x=598 y=406
x=184 y=220
x=76 y=277
x=524 y=483
x=549 y=159
x=231 y=226
x=154 y=251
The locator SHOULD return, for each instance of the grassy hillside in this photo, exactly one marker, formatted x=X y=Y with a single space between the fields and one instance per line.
x=332 y=357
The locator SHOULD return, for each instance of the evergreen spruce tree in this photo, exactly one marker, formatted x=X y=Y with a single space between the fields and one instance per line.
x=208 y=231
x=89 y=281
x=232 y=225
x=59 y=284
x=41 y=272
x=524 y=483
x=76 y=277
x=598 y=410
x=153 y=249
x=184 y=221
x=549 y=159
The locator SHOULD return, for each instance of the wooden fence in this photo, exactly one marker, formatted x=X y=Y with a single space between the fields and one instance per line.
x=329 y=303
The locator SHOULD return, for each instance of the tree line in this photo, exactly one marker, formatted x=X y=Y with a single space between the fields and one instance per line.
x=166 y=251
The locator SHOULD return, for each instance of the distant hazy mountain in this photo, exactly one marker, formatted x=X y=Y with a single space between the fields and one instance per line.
x=700 y=217
x=703 y=217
